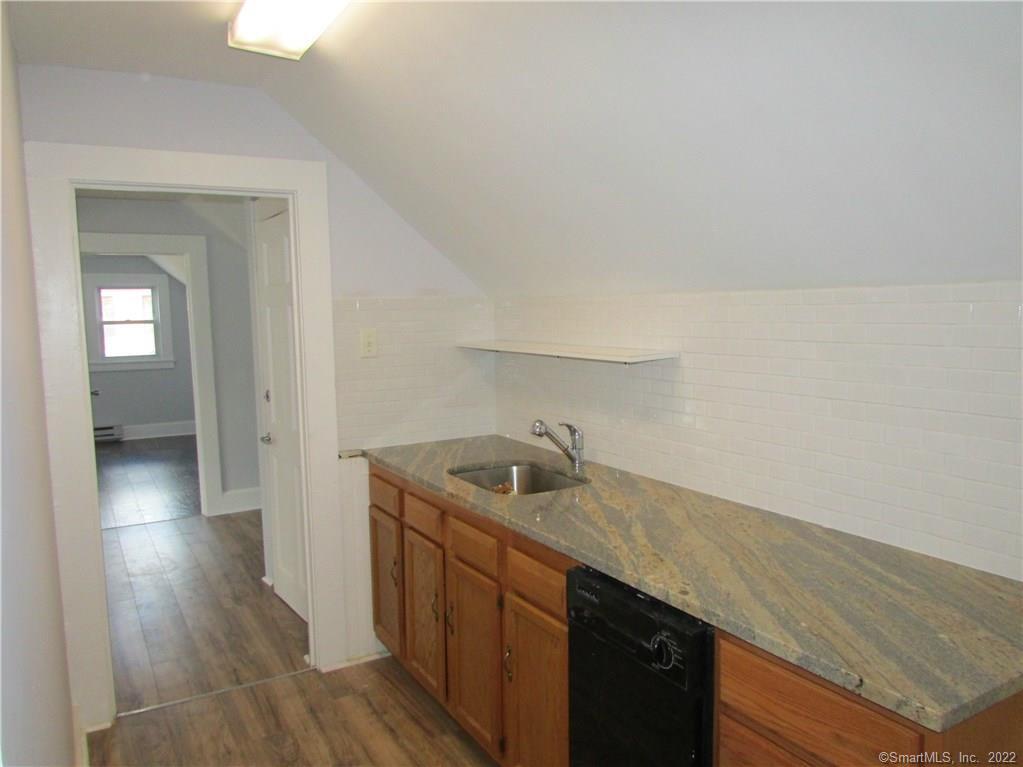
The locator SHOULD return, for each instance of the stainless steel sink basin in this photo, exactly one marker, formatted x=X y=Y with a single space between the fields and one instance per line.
x=518 y=478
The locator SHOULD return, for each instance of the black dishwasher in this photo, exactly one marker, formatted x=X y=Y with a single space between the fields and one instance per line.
x=640 y=678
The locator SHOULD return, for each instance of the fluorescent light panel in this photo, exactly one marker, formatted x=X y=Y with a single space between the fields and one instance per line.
x=285 y=28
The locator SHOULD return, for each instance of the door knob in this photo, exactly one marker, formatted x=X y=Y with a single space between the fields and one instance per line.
x=266 y=439
x=94 y=392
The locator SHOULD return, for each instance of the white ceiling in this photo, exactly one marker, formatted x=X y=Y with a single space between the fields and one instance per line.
x=577 y=147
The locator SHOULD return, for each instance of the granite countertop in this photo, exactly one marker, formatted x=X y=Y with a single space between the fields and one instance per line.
x=933 y=641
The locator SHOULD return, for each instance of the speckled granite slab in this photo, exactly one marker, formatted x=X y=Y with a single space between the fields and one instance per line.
x=933 y=641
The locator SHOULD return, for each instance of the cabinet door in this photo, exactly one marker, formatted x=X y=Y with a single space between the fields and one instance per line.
x=424 y=601
x=473 y=619
x=739 y=746
x=791 y=707
x=385 y=557
x=535 y=669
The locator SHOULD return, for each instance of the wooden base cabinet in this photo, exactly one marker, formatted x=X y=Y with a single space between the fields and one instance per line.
x=772 y=712
x=424 y=603
x=385 y=559
x=743 y=747
x=477 y=615
x=474 y=653
x=536 y=686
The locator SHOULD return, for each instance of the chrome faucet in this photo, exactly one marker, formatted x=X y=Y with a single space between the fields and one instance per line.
x=573 y=451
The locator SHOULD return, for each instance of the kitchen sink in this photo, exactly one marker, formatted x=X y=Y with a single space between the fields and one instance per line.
x=517 y=478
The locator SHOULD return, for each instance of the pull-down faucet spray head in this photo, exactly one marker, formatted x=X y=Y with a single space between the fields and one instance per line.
x=574 y=451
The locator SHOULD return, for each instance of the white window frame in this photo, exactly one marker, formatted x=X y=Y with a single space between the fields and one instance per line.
x=159 y=284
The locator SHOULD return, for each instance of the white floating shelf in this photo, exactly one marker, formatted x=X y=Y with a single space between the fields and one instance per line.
x=618 y=354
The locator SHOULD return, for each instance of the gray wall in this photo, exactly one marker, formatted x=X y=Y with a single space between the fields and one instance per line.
x=35 y=712
x=145 y=396
x=223 y=222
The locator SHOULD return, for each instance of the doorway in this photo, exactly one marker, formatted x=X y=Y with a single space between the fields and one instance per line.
x=53 y=172
x=179 y=339
x=138 y=337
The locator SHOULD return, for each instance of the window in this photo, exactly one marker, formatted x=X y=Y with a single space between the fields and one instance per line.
x=128 y=321
x=129 y=326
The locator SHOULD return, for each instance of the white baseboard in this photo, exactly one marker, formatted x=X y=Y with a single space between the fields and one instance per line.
x=152 y=430
x=233 y=501
x=356 y=661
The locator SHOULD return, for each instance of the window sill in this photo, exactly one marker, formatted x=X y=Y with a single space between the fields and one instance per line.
x=106 y=366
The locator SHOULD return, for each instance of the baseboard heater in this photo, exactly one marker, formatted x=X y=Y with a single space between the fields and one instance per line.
x=108 y=433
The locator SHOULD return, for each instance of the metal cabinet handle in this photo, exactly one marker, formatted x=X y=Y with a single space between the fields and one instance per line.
x=507 y=662
x=433 y=606
x=266 y=439
x=449 y=618
x=394 y=572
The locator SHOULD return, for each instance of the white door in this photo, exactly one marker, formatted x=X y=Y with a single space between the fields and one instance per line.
x=280 y=460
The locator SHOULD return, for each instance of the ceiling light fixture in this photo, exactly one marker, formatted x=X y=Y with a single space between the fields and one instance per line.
x=285 y=28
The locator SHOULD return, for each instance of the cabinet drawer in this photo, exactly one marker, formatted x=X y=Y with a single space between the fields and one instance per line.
x=423 y=517
x=813 y=717
x=537 y=583
x=739 y=746
x=472 y=546
x=384 y=496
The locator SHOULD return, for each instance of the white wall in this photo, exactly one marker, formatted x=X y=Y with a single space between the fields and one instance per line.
x=892 y=413
x=35 y=712
x=143 y=397
x=603 y=148
x=373 y=251
x=631 y=147
x=223 y=224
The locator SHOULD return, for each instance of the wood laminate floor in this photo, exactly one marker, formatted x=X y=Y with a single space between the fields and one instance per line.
x=189 y=613
x=147 y=480
x=370 y=714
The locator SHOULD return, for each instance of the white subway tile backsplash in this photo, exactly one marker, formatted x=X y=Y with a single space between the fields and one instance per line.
x=419 y=387
x=891 y=412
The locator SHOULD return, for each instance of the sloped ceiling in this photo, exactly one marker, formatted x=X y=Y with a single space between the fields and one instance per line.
x=597 y=148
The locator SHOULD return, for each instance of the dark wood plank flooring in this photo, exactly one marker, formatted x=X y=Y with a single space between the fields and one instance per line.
x=370 y=714
x=189 y=613
x=147 y=480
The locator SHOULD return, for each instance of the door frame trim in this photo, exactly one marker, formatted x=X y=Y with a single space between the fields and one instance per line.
x=53 y=173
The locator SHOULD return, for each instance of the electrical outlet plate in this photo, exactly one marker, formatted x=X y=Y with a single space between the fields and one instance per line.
x=368 y=342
